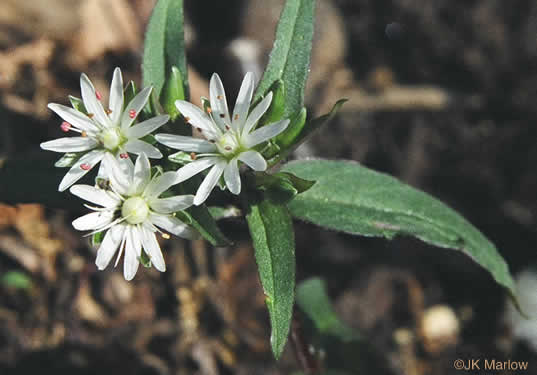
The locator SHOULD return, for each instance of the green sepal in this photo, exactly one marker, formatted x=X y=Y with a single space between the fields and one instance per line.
x=129 y=93
x=307 y=131
x=289 y=136
x=277 y=106
x=180 y=157
x=97 y=238
x=78 y=104
x=145 y=260
x=206 y=104
x=173 y=90
x=69 y=159
x=282 y=187
x=149 y=138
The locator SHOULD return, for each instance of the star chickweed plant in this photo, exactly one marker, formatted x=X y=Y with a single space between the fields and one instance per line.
x=102 y=132
x=131 y=213
x=227 y=141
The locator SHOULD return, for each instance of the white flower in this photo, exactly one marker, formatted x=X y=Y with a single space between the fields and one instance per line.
x=131 y=211
x=103 y=131
x=228 y=140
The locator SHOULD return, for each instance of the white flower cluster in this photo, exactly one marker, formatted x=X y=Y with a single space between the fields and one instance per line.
x=130 y=211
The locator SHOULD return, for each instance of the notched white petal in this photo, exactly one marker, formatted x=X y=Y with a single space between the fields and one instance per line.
x=191 y=169
x=254 y=160
x=132 y=110
x=264 y=133
x=183 y=143
x=115 y=104
x=69 y=144
x=137 y=147
x=256 y=114
x=82 y=166
x=172 y=204
x=94 y=220
x=209 y=182
x=111 y=241
x=144 y=128
x=95 y=195
x=232 y=178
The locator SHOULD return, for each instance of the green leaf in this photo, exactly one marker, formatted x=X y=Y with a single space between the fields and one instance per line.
x=69 y=159
x=272 y=233
x=165 y=45
x=173 y=90
x=351 y=198
x=289 y=136
x=290 y=57
x=16 y=280
x=313 y=299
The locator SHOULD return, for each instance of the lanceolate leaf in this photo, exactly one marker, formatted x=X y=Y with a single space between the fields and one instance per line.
x=353 y=199
x=272 y=233
x=290 y=56
x=165 y=45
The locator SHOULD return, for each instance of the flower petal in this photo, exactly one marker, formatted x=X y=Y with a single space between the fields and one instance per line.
x=146 y=127
x=132 y=110
x=253 y=159
x=183 y=143
x=173 y=225
x=69 y=144
x=264 y=133
x=152 y=248
x=242 y=105
x=95 y=195
x=232 y=178
x=219 y=109
x=172 y=204
x=77 y=172
x=160 y=184
x=119 y=180
x=115 y=103
x=209 y=182
x=256 y=114
x=191 y=169
x=133 y=251
x=92 y=104
x=94 y=220
x=137 y=147
x=142 y=175
x=111 y=241
x=198 y=119
x=74 y=117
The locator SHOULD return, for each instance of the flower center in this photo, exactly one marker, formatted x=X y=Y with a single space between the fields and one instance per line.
x=135 y=210
x=111 y=138
x=228 y=144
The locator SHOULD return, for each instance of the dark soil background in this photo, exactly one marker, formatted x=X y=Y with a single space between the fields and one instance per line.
x=443 y=95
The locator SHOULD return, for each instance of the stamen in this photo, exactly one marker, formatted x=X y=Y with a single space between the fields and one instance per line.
x=228 y=148
x=166 y=236
x=124 y=155
x=85 y=166
x=108 y=111
x=212 y=141
x=65 y=126
x=187 y=119
x=193 y=156
x=227 y=127
x=132 y=113
x=219 y=97
x=236 y=117
x=90 y=115
x=84 y=134
x=209 y=110
x=199 y=129
x=98 y=95
x=222 y=115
